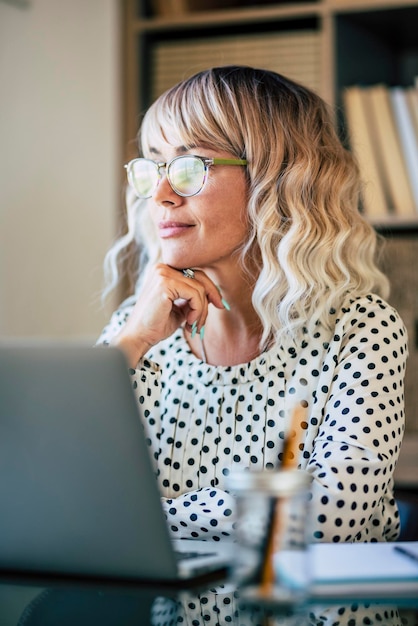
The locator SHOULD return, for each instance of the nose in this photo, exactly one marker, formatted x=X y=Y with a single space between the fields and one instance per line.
x=164 y=193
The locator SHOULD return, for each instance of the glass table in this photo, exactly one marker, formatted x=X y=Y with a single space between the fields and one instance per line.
x=72 y=603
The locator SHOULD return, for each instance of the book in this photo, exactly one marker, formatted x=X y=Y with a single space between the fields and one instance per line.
x=360 y=570
x=364 y=149
x=407 y=136
x=412 y=99
x=382 y=123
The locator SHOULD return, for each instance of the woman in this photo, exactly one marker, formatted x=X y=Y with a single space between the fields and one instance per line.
x=257 y=291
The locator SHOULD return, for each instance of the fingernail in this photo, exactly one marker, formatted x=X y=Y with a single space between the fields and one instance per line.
x=224 y=302
x=226 y=305
x=202 y=332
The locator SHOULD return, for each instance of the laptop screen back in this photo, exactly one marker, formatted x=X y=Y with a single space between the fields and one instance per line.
x=77 y=489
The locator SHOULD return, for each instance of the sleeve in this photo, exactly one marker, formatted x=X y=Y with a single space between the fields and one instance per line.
x=116 y=322
x=146 y=377
x=358 y=443
x=205 y=513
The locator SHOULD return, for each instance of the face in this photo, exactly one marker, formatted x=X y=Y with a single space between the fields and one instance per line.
x=206 y=229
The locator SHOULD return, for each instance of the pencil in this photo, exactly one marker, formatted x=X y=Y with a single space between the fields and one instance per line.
x=411 y=555
x=289 y=461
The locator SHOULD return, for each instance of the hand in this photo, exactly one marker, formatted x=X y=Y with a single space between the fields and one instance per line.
x=167 y=300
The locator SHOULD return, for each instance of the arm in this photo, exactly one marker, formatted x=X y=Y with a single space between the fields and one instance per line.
x=355 y=451
x=205 y=513
x=202 y=513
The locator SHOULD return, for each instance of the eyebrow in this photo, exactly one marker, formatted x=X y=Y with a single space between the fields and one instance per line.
x=179 y=150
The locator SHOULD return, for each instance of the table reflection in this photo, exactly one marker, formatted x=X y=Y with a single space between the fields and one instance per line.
x=220 y=606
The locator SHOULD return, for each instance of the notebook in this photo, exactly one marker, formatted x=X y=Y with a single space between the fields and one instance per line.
x=356 y=570
x=78 y=490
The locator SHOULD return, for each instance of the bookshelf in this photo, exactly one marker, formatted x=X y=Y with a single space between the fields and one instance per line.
x=359 y=41
x=329 y=45
x=340 y=44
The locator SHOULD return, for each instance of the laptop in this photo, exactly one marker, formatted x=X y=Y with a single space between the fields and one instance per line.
x=78 y=492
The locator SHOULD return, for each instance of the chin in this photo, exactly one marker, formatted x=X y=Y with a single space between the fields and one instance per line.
x=179 y=261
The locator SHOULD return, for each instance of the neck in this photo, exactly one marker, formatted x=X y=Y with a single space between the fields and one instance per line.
x=230 y=336
x=218 y=351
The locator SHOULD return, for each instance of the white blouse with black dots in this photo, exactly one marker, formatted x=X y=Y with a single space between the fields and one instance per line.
x=203 y=420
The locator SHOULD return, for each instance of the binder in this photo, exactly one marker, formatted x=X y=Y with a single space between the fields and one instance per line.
x=387 y=140
x=365 y=150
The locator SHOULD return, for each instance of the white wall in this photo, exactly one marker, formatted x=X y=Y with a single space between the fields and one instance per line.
x=59 y=164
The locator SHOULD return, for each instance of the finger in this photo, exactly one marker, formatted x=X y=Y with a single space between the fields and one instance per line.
x=189 y=300
x=212 y=292
x=197 y=311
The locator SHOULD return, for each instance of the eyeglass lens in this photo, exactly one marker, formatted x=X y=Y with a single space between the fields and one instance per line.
x=143 y=176
x=186 y=175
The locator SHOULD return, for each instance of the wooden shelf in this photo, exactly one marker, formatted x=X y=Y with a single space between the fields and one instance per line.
x=228 y=17
x=365 y=5
x=396 y=226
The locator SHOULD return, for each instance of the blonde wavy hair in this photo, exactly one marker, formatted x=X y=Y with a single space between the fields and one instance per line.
x=308 y=243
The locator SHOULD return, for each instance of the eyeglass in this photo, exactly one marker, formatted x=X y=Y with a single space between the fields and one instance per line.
x=186 y=174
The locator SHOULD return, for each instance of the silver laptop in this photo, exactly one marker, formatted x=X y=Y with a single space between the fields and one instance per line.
x=78 y=492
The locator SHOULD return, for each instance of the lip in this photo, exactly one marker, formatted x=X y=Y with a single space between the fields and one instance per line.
x=172 y=229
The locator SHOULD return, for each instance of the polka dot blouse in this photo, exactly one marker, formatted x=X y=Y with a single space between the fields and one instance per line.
x=204 y=420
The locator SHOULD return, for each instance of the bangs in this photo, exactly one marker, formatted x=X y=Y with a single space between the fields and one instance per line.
x=187 y=115
x=162 y=122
